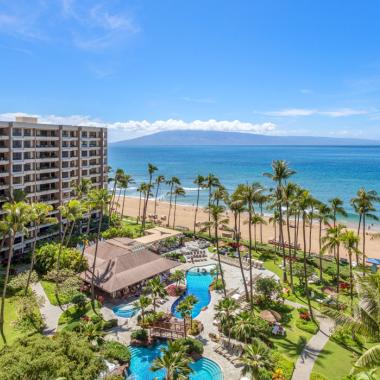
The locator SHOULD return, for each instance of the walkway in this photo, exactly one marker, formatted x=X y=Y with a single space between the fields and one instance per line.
x=305 y=363
x=49 y=312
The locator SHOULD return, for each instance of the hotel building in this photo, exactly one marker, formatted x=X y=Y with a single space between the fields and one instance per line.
x=46 y=162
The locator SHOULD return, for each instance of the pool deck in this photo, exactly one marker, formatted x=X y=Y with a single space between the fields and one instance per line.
x=232 y=275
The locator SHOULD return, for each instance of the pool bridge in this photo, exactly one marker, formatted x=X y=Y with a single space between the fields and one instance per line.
x=169 y=330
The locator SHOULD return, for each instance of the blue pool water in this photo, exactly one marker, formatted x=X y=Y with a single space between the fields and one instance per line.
x=197 y=283
x=125 y=311
x=142 y=358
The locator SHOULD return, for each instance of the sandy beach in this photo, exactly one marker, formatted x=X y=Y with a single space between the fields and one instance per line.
x=185 y=218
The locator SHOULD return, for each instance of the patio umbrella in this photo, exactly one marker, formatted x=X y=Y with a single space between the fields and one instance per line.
x=270 y=316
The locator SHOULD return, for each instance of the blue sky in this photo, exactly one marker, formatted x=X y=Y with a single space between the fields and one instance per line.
x=282 y=67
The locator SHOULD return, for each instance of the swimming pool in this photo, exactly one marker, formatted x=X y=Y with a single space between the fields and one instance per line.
x=125 y=310
x=142 y=358
x=198 y=280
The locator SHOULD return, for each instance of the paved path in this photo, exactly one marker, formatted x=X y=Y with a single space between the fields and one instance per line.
x=49 y=312
x=305 y=363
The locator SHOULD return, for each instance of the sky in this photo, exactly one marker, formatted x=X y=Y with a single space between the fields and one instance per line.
x=279 y=67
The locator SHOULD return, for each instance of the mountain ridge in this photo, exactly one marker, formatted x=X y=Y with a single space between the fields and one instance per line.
x=194 y=137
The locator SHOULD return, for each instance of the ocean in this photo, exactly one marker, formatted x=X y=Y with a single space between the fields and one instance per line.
x=327 y=171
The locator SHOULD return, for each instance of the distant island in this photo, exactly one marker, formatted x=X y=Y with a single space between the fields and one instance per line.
x=192 y=137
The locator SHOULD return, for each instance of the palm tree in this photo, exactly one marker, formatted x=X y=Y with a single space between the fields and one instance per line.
x=125 y=181
x=199 y=182
x=350 y=242
x=236 y=206
x=99 y=200
x=159 y=179
x=332 y=242
x=82 y=188
x=274 y=219
x=280 y=173
x=185 y=309
x=151 y=170
x=336 y=205
x=257 y=360
x=140 y=190
x=39 y=215
x=210 y=182
x=177 y=276
x=76 y=214
x=173 y=181
x=249 y=195
x=225 y=309
x=192 y=300
x=118 y=175
x=261 y=200
x=323 y=216
x=142 y=303
x=365 y=319
x=174 y=361
x=220 y=195
x=17 y=217
x=217 y=221
x=157 y=290
x=178 y=192
x=243 y=326
x=364 y=202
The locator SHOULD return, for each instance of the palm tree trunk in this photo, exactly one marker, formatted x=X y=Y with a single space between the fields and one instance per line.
x=155 y=198
x=118 y=199
x=94 y=262
x=32 y=260
x=290 y=250
x=175 y=210
x=237 y=240
x=358 y=233
x=59 y=265
x=282 y=242
x=122 y=210
x=337 y=275
x=209 y=212
x=196 y=209
x=250 y=256
x=320 y=251
x=261 y=225
x=310 y=228
x=170 y=203
x=4 y=294
x=112 y=198
x=351 y=283
x=364 y=257
x=138 y=218
x=305 y=266
x=219 y=261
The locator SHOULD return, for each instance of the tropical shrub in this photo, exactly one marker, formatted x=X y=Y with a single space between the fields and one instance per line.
x=307 y=325
x=196 y=328
x=28 y=313
x=113 y=232
x=114 y=377
x=317 y=376
x=191 y=345
x=46 y=258
x=268 y=289
x=66 y=355
x=116 y=351
x=140 y=334
x=18 y=282
x=110 y=324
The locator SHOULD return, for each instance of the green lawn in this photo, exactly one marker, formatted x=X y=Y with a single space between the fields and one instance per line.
x=49 y=288
x=73 y=314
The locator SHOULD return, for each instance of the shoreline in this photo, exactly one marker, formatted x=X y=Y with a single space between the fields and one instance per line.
x=185 y=218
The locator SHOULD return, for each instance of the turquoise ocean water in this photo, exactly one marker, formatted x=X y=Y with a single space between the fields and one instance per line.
x=326 y=171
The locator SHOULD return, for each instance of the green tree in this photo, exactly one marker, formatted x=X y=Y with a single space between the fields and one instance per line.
x=257 y=360
x=225 y=309
x=151 y=170
x=157 y=290
x=174 y=361
x=116 y=181
x=159 y=180
x=125 y=181
x=199 y=182
x=16 y=218
x=210 y=182
x=178 y=192
x=39 y=215
x=142 y=303
x=173 y=181
x=177 y=276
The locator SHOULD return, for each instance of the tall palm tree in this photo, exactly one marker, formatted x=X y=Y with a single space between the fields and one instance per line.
x=174 y=361
x=140 y=190
x=142 y=303
x=199 y=182
x=257 y=360
x=39 y=215
x=17 y=217
x=151 y=170
x=99 y=200
x=243 y=327
x=275 y=219
x=185 y=309
x=365 y=319
x=118 y=175
x=225 y=309
x=280 y=174
x=313 y=205
x=261 y=200
x=178 y=192
x=364 y=202
x=303 y=204
x=323 y=215
x=83 y=187
x=173 y=181
x=217 y=221
x=157 y=290
x=219 y=195
x=210 y=182
x=159 y=180
x=237 y=207
x=249 y=195
x=336 y=205
x=350 y=242
x=332 y=242
x=125 y=181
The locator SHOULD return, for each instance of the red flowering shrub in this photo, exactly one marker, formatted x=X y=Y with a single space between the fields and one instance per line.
x=101 y=300
x=305 y=316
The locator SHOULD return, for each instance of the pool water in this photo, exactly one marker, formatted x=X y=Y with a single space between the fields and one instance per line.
x=142 y=358
x=197 y=283
x=125 y=310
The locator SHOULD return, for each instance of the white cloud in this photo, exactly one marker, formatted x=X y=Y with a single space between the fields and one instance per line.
x=120 y=130
x=294 y=112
